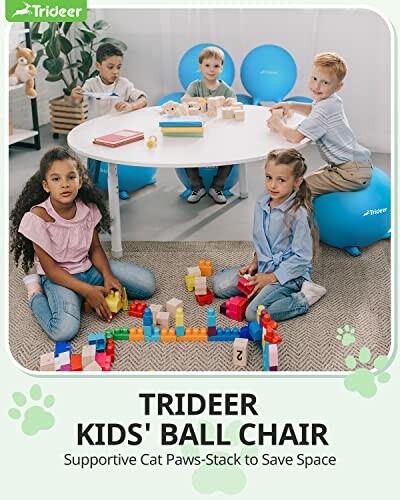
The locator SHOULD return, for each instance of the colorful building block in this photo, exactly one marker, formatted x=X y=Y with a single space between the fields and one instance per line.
x=163 y=319
x=205 y=299
x=200 y=285
x=179 y=322
x=245 y=333
x=240 y=352
x=189 y=280
x=255 y=330
x=97 y=339
x=147 y=317
x=136 y=309
x=241 y=285
x=224 y=335
x=154 y=336
x=47 y=362
x=168 y=335
x=194 y=335
x=205 y=267
x=92 y=367
x=136 y=334
x=236 y=308
x=76 y=362
x=63 y=360
x=273 y=357
x=88 y=354
x=115 y=302
x=172 y=305
x=193 y=271
x=61 y=347
x=121 y=333
x=155 y=309
x=110 y=349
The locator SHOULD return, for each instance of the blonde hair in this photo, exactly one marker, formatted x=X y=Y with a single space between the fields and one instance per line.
x=332 y=62
x=303 y=198
x=211 y=51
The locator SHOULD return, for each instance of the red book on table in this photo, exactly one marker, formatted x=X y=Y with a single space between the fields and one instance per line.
x=119 y=138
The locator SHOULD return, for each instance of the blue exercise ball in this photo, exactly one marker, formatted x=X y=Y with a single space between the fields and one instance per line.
x=129 y=178
x=208 y=174
x=175 y=96
x=299 y=98
x=349 y=220
x=188 y=70
x=268 y=73
x=244 y=99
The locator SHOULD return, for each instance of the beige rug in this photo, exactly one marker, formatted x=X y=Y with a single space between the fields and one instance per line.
x=358 y=295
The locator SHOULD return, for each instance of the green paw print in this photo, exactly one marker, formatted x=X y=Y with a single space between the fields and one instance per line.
x=35 y=417
x=362 y=380
x=346 y=335
x=228 y=479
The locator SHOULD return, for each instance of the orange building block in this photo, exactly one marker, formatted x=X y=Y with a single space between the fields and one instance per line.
x=205 y=267
x=194 y=335
x=76 y=362
x=136 y=334
x=168 y=335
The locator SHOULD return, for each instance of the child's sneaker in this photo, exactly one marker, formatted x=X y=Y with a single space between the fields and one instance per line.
x=196 y=195
x=217 y=195
x=312 y=291
x=32 y=283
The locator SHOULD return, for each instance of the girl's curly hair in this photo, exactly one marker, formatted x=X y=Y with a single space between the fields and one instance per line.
x=34 y=194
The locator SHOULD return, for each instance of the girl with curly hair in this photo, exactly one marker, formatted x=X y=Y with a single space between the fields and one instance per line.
x=54 y=225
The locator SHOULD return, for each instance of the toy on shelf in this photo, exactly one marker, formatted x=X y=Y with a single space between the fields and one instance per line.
x=151 y=142
x=205 y=267
x=24 y=71
x=136 y=309
x=207 y=298
x=241 y=285
x=240 y=352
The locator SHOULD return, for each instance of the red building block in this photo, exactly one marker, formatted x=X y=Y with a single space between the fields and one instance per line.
x=137 y=308
x=110 y=349
x=205 y=299
x=236 y=308
x=76 y=362
x=270 y=330
x=241 y=285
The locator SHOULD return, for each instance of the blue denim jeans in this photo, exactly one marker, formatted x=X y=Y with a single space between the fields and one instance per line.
x=58 y=309
x=282 y=301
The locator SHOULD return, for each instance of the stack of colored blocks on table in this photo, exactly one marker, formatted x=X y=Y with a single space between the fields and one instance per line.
x=182 y=126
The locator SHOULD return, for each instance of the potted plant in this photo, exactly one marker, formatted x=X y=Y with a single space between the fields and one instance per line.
x=69 y=55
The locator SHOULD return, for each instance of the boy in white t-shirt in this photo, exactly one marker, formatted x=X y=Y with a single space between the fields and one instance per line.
x=123 y=96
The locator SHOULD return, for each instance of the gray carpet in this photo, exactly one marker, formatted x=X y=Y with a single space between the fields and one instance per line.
x=358 y=295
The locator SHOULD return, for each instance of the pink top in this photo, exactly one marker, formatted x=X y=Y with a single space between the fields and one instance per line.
x=66 y=241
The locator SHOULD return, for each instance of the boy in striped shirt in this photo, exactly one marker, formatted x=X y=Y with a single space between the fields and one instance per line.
x=348 y=166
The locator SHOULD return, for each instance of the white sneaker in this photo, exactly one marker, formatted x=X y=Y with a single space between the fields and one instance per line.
x=217 y=196
x=312 y=291
x=196 y=195
x=32 y=283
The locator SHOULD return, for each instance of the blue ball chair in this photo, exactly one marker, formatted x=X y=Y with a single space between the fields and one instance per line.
x=354 y=219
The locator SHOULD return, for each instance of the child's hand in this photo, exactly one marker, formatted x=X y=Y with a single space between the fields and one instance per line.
x=259 y=281
x=286 y=106
x=275 y=122
x=229 y=101
x=77 y=92
x=112 y=283
x=123 y=106
x=95 y=296
x=250 y=269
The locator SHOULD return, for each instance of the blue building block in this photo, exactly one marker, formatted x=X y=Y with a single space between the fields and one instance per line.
x=266 y=356
x=61 y=347
x=211 y=318
x=180 y=331
x=245 y=333
x=147 y=317
x=148 y=331
x=154 y=337
x=255 y=330
x=226 y=335
x=99 y=340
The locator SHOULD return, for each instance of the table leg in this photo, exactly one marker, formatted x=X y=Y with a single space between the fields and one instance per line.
x=113 y=199
x=243 y=193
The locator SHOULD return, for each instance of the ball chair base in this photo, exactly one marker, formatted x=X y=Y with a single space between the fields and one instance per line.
x=356 y=252
x=185 y=194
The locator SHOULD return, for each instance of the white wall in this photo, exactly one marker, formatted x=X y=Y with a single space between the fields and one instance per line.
x=157 y=39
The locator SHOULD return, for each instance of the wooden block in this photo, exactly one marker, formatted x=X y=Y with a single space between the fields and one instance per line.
x=228 y=113
x=240 y=114
x=273 y=356
x=172 y=305
x=240 y=352
x=92 y=367
x=163 y=319
x=155 y=309
x=88 y=354
x=200 y=285
x=194 y=271
x=47 y=362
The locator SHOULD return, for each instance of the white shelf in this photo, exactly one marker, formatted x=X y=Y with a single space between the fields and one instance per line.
x=20 y=135
x=15 y=87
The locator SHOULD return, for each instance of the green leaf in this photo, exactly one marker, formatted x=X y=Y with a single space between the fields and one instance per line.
x=53 y=48
x=35 y=27
x=46 y=36
x=93 y=74
x=66 y=28
x=80 y=42
x=54 y=66
x=116 y=42
x=39 y=55
x=87 y=36
x=65 y=44
x=72 y=66
x=36 y=37
x=53 y=78
x=101 y=25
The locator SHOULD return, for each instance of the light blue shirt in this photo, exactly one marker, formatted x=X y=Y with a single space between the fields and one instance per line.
x=328 y=127
x=284 y=248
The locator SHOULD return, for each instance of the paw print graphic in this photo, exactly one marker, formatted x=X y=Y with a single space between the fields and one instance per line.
x=35 y=417
x=346 y=335
x=362 y=380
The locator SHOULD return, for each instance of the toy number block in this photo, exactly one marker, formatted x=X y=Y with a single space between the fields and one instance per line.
x=240 y=352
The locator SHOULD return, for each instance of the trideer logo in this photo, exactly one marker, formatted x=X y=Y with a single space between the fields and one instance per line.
x=23 y=12
x=46 y=10
x=375 y=211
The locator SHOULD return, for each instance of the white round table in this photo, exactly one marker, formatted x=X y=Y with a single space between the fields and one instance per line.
x=225 y=142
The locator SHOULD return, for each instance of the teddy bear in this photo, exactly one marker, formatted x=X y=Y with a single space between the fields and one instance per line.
x=172 y=108
x=24 y=71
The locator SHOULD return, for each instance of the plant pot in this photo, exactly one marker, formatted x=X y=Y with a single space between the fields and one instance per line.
x=65 y=114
